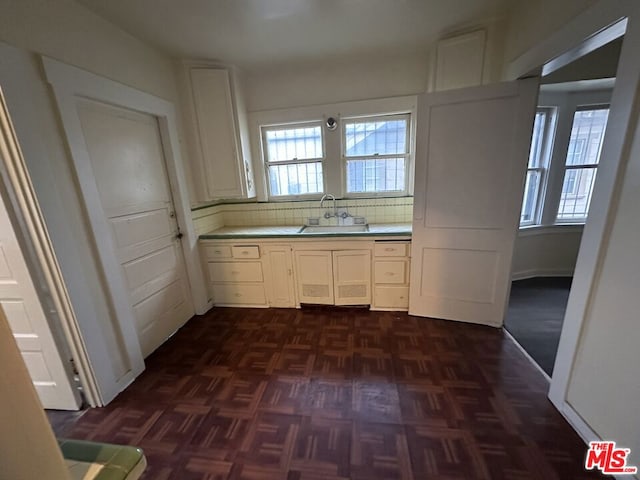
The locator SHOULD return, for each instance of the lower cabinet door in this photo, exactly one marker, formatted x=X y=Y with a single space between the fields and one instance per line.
x=314 y=272
x=352 y=277
x=391 y=298
x=239 y=294
x=279 y=283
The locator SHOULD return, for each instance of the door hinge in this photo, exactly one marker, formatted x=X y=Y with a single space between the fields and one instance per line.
x=73 y=366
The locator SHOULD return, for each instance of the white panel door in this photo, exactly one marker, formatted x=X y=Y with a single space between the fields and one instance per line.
x=314 y=272
x=352 y=277
x=471 y=156
x=51 y=374
x=126 y=153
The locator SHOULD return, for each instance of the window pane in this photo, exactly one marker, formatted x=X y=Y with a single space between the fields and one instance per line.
x=295 y=179
x=294 y=143
x=530 y=200
x=537 y=139
x=576 y=193
x=388 y=137
x=587 y=133
x=376 y=175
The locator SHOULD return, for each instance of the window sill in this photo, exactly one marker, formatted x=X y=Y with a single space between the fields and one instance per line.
x=555 y=229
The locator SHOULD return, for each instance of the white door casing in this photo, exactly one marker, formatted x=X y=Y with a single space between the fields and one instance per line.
x=471 y=155
x=51 y=374
x=126 y=154
x=70 y=85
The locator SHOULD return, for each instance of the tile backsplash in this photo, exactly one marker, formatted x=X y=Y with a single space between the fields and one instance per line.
x=375 y=210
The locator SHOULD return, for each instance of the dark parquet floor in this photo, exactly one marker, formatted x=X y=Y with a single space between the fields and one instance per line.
x=338 y=394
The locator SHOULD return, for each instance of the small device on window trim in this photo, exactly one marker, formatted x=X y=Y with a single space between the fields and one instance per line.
x=331 y=123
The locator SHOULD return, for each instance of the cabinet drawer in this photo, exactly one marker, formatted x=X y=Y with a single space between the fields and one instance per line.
x=391 y=271
x=235 y=271
x=232 y=294
x=383 y=249
x=391 y=297
x=250 y=251
x=216 y=252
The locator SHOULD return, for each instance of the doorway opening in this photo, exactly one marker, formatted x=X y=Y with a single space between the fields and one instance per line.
x=568 y=133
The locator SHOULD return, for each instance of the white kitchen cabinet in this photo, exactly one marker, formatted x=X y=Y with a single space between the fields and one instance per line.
x=236 y=274
x=391 y=265
x=267 y=273
x=334 y=277
x=460 y=61
x=352 y=277
x=279 y=279
x=224 y=165
x=314 y=270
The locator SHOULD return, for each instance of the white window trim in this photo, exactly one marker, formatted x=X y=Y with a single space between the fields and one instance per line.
x=264 y=158
x=566 y=104
x=407 y=155
x=333 y=173
x=548 y=137
x=580 y=218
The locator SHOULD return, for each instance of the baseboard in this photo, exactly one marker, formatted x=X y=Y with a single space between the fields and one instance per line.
x=525 y=274
x=582 y=428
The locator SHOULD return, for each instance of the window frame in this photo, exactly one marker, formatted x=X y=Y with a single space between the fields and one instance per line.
x=586 y=166
x=544 y=165
x=295 y=161
x=408 y=155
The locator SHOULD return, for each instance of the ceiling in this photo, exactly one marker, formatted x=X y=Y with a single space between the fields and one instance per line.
x=257 y=32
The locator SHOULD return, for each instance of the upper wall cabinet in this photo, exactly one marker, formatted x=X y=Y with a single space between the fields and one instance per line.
x=460 y=61
x=221 y=132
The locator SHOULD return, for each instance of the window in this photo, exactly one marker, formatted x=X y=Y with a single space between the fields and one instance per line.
x=581 y=165
x=537 y=166
x=376 y=154
x=293 y=157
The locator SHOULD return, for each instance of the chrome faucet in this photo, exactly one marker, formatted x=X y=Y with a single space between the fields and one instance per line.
x=335 y=208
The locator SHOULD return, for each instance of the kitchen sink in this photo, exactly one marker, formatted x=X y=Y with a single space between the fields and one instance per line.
x=335 y=229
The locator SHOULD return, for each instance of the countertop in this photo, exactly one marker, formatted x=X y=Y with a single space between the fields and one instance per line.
x=375 y=230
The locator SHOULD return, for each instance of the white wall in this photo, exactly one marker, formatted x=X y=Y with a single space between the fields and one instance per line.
x=534 y=21
x=361 y=77
x=336 y=80
x=67 y=31
x=546 y=252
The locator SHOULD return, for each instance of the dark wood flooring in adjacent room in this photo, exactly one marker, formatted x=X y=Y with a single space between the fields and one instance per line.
x=535 y=316
x=337 y=394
